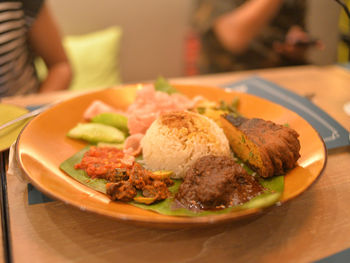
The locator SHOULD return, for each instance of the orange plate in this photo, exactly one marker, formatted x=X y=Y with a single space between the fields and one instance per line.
x=43 y=146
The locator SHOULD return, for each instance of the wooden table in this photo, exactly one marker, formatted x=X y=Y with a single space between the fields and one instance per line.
x=312 y=226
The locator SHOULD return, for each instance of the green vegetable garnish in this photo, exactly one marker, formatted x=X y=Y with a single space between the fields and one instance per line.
x=163 y=174
x=161 y=84
x=201 y=110
x=144 y=200
x=231 y=108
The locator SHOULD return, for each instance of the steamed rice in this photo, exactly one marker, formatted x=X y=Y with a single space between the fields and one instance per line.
x=177 y=139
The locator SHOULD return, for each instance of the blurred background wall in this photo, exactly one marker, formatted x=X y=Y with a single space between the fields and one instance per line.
x=322 y=22
x=154 y=31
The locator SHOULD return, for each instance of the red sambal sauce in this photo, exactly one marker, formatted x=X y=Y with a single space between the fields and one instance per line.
x=99 y=162
x=125 y=177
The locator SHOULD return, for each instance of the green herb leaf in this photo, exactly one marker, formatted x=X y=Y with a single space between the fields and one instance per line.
x=231 y=108
x=201 y=110
x=161 y=84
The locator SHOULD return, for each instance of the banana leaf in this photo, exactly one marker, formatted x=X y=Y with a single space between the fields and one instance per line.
x=274 y=189
x=80 y=175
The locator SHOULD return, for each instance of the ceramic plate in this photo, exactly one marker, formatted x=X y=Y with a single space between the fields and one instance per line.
x=9 y=134
x=43 y=146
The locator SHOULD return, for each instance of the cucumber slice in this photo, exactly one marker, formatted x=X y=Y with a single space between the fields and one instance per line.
x=112 y=119
x=96 y=132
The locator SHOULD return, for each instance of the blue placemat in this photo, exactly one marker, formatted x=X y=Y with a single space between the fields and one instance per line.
x=35 y=196
x=341 y=257
x=345 y=65
x=333 y=134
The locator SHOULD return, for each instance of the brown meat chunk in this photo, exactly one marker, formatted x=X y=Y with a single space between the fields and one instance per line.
x=217 y=182
x=122 y=191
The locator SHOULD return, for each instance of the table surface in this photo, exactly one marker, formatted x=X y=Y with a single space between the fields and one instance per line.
x=312 y=226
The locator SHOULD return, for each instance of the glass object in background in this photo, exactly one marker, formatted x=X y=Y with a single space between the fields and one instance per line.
x=344 y=27
x=344 y=45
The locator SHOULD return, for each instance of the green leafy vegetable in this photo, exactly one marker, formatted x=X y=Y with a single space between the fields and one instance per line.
x=161 y=84
x=230 y=107
x=201 y=110
x=274 y=189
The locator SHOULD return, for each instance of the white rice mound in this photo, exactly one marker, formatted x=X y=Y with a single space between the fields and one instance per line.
x=175 y=140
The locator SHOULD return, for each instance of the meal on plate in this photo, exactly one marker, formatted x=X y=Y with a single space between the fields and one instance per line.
x=181 y=156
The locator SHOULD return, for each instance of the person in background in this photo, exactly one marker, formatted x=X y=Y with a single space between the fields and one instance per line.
x=250 y=34
x=27 y=30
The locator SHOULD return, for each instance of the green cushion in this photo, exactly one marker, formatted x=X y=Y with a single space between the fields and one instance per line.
x=94 y=58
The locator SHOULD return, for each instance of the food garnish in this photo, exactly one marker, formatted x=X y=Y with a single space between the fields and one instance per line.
x=162 y=84
x=162 y=174
x=145 y=200
x=231 y=108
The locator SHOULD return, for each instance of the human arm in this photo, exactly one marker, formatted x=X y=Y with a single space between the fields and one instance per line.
x=45 y=39
x=238 y=27
x=296 y=44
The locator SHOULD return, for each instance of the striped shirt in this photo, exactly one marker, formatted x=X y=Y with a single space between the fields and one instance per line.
x=17 y=72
